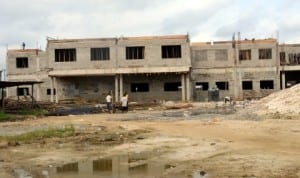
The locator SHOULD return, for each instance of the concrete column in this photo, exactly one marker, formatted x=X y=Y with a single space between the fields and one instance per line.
x=183 y=87
x=116 y=88
x=37 y=64
x=283 y=80
x=52 y=89
x=56 y=90
x=235 y=83
x=38 y=87
x=121 y=86
x=188 y=88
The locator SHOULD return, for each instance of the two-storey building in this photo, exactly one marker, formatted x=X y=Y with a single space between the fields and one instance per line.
x=154 y=68
x=241 y=69
x=289 y=55
x=147 y=68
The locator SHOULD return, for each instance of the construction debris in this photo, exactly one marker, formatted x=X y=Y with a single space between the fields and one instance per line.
x=284 y=102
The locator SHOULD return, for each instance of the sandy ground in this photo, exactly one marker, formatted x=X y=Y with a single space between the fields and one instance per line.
x=218 y=146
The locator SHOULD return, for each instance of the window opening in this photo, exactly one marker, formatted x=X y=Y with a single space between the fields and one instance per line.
x=22 y=62
x=173 y=51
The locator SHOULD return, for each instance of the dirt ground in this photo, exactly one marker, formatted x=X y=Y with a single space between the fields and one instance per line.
x=215 y=145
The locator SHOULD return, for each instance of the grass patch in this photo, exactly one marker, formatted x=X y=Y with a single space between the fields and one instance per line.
x=41 y=134
x=4 y=116
x=34 y=112
x=22 y=114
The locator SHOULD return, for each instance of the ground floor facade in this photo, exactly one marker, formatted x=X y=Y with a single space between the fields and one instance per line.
x=193 y=85
x=238 y=83
x=156 y=87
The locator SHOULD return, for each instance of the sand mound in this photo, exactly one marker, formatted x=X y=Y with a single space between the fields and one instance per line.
x=286 y=102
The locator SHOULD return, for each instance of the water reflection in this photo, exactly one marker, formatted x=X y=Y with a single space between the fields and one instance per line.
x=119 y=166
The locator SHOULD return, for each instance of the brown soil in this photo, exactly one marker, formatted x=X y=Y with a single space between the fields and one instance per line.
x=215 y=145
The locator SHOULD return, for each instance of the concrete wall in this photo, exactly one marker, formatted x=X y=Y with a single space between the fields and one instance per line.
x=83 y=58
x=37 y=70
x=214 y=62
x=290 y=49
x=34 y=57
x=156 y=87
x=153 y=57
x=95 y=88
x=204 y=56
x=209 y=62
x=89 y=88
x=118 y=53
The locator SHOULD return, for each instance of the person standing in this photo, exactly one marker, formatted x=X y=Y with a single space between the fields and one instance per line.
x=109 y=102
x=126 y=95
x=124 y=103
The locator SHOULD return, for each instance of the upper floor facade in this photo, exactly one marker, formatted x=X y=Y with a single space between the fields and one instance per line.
x=107 y=56
x=150 y=54
x=25 y=61
x=289 y=54
x=227 y=54
x=119 y=55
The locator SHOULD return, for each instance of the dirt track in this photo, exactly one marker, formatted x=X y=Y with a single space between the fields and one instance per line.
x=216 y=145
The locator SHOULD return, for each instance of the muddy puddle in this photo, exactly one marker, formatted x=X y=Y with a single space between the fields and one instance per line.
x=137 y=165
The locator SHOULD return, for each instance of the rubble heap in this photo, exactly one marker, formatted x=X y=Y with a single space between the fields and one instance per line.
x=286 y=101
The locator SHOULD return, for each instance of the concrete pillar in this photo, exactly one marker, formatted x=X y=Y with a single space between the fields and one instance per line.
x=38 y=88
x=37 y=64
x=283 y=80
x=56 y=90
x=188 y=87
x=121 y=86
x=52 y=90
x=183 y=87
x=116 y=88
x=235 y=83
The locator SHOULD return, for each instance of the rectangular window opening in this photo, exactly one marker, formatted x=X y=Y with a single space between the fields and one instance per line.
x=22 y=91
x=202 y=86
x=222 y=85
x=135 y=52
x=245 y=54
x=99 y=54
x=172 y=86
x=282 y=58
x=247 y=85
x=49 y=91
x=171 y=51
x=266 y=84
x=294 y=59
x=22 y=62
x=140 y=87
x=265 y=53
x=65 y=55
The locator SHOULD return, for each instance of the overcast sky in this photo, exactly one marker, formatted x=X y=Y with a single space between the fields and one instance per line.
x=31 y=21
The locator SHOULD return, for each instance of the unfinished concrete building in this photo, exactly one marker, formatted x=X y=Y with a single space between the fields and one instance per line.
x=154 y=68
x=241 y=69
x=150 y=68
x=289 y=56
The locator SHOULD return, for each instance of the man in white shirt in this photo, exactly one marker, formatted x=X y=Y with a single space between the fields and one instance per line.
x=124 y=102
x=109 y=102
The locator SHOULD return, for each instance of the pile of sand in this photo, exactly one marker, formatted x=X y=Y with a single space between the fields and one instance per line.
x=286 y=102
